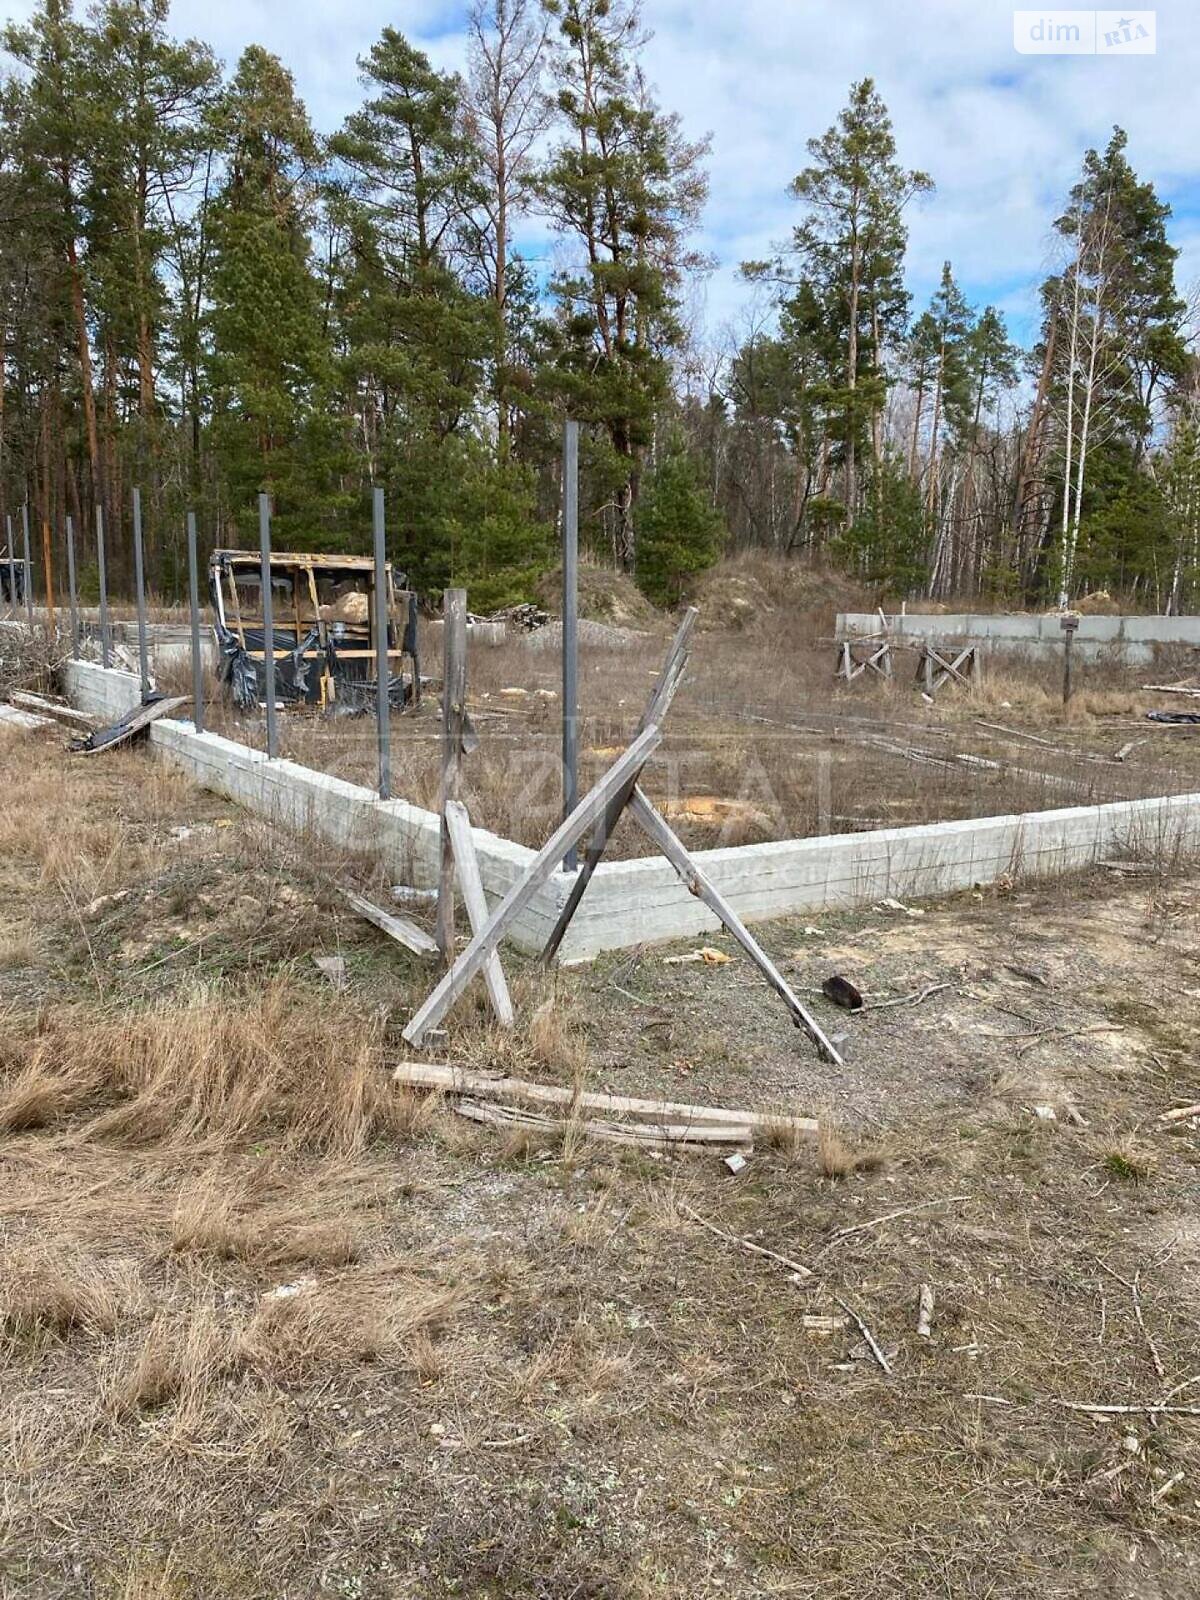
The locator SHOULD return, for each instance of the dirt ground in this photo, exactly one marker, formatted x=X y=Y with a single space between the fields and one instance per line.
x=273 y=1327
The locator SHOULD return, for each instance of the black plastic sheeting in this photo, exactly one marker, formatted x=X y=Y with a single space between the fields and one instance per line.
x=298 y=673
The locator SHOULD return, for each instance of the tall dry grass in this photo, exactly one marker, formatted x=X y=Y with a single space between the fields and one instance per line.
x=218 y=1067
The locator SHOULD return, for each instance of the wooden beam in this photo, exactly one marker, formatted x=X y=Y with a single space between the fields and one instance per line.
x=696 y=883
x=471 y=885
x=661 y=696
x=463 y=1080
x=585 y=815
x=630 y=1133
x=399 y=928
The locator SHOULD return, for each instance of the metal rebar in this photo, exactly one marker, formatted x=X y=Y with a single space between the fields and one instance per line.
x=383 y=675
x=570 y=626
x=264 y=545
x=28 y=564
x=194 y=603
x=72 y=590
x=139 y=584
x=102 y=574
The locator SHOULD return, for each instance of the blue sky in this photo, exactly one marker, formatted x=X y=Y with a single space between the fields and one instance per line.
x=1002 y=134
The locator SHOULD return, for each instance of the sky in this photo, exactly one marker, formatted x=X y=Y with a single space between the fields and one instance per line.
x=1002 y=134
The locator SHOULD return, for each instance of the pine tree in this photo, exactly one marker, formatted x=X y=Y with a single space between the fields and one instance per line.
x=850 y=249
x=625 y=188
x=269 y=362
x=680 y=533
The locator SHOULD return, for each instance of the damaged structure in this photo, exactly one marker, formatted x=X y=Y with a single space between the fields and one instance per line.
x=323 y=630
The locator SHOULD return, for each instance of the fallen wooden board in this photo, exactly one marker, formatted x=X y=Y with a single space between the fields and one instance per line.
x=654 y=1136
x=458 y=823
x=399 y=928
x=121 y=732
x=462 y=1080
x=15 y=717
x=52 y=708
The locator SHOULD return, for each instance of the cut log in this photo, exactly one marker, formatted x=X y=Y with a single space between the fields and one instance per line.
x=462 y=1080
x=399 y=928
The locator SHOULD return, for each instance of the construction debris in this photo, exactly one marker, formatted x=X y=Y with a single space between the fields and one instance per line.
x=660 y=1136
x=518 y=1091
x=706 y=953
x=133 y=723
x=925 y=1312
x=399 y=928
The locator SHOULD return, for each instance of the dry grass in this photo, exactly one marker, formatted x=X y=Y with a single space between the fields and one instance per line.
x=44 y=1293
x=219 y=1067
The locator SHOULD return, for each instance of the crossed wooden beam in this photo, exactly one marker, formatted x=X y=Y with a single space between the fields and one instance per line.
x=597 y=813
x=936 y=666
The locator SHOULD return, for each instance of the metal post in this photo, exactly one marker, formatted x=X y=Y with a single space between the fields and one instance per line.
x=72 y=590
x=570 y=625
x=139 y=584
x=102 y=573
x=383 y=671
x=28 y=564
x=264 y=545
x=12 y=570
x=454 y=707
x=194 y=601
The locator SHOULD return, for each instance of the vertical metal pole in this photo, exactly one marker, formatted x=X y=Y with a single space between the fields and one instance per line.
x=72 y=590
x=12 y=569
x=194 y=602
x=139 y=584
x=454 y=707
x=102 y=573
x=570 y=625
x=264 y=545
x=383 y=671
x=28 y=564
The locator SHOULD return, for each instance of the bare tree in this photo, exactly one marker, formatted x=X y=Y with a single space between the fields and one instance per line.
x=505 y=113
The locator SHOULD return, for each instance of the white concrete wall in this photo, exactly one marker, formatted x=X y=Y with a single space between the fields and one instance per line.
x=1129 y=639
x=102 y=692
x=640 y=902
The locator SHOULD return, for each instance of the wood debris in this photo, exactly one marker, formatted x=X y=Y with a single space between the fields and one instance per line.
x=671 y=1121
x=707 y=953
x=399 y=928
x=925 y=1312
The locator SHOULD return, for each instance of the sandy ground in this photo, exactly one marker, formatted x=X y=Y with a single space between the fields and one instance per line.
x=272 y=1328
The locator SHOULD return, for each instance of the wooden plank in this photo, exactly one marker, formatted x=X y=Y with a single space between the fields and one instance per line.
x=463 y=1080
x=454 y=701
x=696 y=883
x=122 y=732
x=471 y=885
x=645 y=1135
x=52 y=708
x=570 y=830
x=399 y=928
x=661 y=696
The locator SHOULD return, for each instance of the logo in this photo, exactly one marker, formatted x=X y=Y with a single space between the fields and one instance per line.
x=1085 y=33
